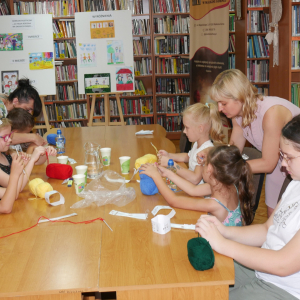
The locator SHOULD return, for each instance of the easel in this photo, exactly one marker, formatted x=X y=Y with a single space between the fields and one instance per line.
x=107 y=111
x=47 y=125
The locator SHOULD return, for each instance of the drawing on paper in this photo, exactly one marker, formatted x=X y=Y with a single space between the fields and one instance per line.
x=102 y=29
x=124 y=79
x=97 y=83
x=11 y=41
x=9 y=81
x=87 y=54
x=115 y=52
x=41 y=60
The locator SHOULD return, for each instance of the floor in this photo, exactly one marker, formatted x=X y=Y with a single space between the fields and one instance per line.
x=261 y=212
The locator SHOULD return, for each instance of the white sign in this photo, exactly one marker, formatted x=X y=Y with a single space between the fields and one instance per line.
x=22 y=23
x=18 y=61
x=99 y=16
x=34 y=36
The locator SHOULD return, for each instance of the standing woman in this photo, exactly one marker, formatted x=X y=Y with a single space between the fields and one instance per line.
x=257 y=119
x=24 y=96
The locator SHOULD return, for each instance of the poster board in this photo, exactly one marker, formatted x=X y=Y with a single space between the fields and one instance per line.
x=26 y=50
x=104 y=52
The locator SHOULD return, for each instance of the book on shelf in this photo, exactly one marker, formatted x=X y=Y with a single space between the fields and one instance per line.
x=231 y=61
x=143 y=66
x=262 y=90
x=4 y=8
x=232 y=5
x=139 y=87
x=139 y=120
x=141 y=46
x=258 y=70
x=170 y=123
x=257 y=21
x=231 y=22
x=257 y=47
x=140 y=26
x=63 y=29
x=258 y=3
x=295 y=54
x=171 y=24
x=68 y=92
x=138 y=6
x=170 y=6
x=56 y=8
x=72 y=111
x=231 y=47
x=172 y=44
x=172 y=85
x=295 y=93
x=173 y=65
x=65 y=73
x=65 y=49
x=174 y=104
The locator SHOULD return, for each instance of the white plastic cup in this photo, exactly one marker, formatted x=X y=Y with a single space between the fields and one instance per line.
x=62 y=159
x=79 y=183
x=82 y=170
x=125 y=164
x=105 y=153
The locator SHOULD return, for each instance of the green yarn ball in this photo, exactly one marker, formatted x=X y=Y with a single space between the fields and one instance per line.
x=200 y=254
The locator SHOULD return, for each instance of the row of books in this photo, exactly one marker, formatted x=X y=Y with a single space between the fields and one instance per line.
x=231 y=47
x=258 y=3
x=257 y=21
x=64 y=29
x=66 y=112
x=295 y=54
x=173 y=24
x=93 y=5
x=139 y=121
x=232 y=5
x=262 y=90
x=140 y=26
x=4 y=10
x=143 y=66
x=64 y=73
x=139 y=88
x=65 y=49
x=68 y=92
x=296 y=93
x=172 y=45
x=231 y=22
x=172 y=85
x=174 y=65
x=231 y=61
x=56 y=8
x=137 y=8
x=141 y=46
x=295 y=20
x=170 y=6
x=172 y=104
x=257 y=47
x=170 y=123
x=258 y=70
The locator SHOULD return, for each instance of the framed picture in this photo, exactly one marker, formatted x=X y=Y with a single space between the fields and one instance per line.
x=97 y=83
x=9 y=81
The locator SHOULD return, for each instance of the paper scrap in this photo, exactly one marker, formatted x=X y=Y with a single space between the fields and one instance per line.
x=58 y=218
x=59 y=202
x=128 y=215
x=144 y=132
x=184 y=226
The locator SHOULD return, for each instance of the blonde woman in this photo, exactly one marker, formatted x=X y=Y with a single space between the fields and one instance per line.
x=257 y=119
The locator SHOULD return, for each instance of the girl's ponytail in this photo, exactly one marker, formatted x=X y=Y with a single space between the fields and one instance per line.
x=245 y=187
x=216 y=132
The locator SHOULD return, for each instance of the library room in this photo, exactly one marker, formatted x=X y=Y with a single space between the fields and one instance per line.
x=150 y=149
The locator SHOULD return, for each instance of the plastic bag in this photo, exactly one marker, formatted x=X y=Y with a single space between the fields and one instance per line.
x=108 y=188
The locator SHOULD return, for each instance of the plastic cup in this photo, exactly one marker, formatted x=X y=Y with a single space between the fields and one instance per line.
x=62 y=159
x=79 y=183
x=105 y=153
x=125 y=164
x=82 y=170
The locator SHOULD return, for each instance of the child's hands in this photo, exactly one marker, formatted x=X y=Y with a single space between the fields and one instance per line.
x=150 y=170
x=38 y=151
x=163 y=160
x=17 y=165
x=202 y=155
x=51 y=151
x=163 y=171
x=162 y=153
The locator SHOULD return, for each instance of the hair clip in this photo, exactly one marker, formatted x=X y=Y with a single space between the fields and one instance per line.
x=206 y=104
x=1 y=122
x=228 y=145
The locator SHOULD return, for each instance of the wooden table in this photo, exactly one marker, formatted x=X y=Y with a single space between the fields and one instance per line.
x=62 y=260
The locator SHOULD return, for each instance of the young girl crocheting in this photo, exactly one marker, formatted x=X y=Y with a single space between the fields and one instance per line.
x=229 y=178
x=267 y=264
x=202 y=123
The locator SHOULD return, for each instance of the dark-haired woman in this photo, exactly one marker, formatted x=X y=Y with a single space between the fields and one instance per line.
x=25 y=96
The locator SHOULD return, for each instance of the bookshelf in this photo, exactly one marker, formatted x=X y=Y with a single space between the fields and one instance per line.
x=253 y=52
x=231 y=47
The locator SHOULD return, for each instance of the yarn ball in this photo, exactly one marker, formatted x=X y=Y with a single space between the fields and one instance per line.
x=148 y=158
x=33 y=183
x=59 y=171
x=42 y=188
x=147 y=185
x=200 y=254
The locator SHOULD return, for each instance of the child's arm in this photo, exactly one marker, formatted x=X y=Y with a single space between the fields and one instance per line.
x=192 y=176
x=50 y=151
x=19 y=138
x=31 y=148
x=185 y=185
x=173 y=199
x=164 y=157
x=9 y=194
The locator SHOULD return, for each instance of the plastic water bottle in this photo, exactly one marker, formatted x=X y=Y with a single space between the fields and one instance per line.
x=60 y=142
x=170 y=183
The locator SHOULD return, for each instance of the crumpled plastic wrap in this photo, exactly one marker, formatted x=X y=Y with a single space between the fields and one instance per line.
x=108 y=188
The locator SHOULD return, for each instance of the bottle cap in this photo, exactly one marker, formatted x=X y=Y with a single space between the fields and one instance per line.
x=58 y=131
x=170 y=163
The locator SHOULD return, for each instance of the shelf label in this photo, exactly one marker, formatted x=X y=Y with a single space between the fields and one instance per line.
x=60 y=35
x=54 y=35
x=142 y=92
x=137 y=73
x=144 y=108
x=137 y=92
x=59 y=118
x=22 y=23
x=61 y=55
x=147 y=111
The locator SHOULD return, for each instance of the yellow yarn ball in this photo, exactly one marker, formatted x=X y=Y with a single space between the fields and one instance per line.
x=42 y=188
x=33 y=183
x=148 y=158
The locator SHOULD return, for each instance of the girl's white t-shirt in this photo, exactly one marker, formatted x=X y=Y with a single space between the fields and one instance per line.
x=193 y=153
x=286 y=223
